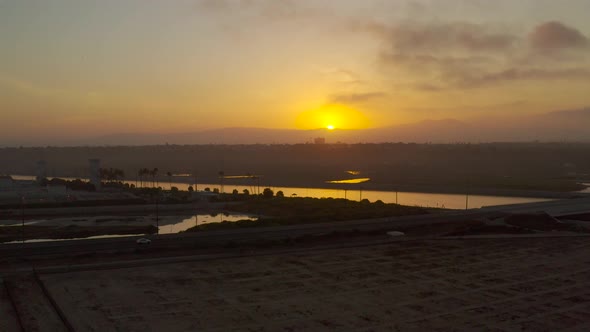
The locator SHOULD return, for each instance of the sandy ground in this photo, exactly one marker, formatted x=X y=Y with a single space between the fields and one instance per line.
x=428 y=285
x=35 y=310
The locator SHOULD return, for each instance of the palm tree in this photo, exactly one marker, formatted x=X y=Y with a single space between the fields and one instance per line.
x=154 y=174
x=142 y=173
x=120 y=173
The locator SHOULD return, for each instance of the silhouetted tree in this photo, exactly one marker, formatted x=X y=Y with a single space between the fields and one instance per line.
x=143 y=172
x=246 y=192
x=280 y=194
x=267 y=193
x=154 y=174
x=111 y=174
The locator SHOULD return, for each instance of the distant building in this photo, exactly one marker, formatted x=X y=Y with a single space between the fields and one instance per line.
x=57 y=190
x=319 y=140
x=94 y=175
x=6 y=183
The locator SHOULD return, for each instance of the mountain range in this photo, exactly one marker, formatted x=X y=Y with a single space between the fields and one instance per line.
x=559 y=126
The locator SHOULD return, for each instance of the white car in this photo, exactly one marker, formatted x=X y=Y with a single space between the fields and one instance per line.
x=143 y=240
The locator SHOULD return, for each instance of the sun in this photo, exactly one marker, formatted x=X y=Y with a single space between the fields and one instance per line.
x=332 y=117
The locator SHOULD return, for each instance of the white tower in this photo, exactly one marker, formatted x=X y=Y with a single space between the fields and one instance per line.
x=41 y=171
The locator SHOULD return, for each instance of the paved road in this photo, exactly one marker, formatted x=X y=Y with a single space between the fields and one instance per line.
x=556 y=208
x=189 y=240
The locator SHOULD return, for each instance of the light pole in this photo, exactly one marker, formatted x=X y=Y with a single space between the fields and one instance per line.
x=157 y=211
x=196 y=184
x=467 y=195
x=22 y=214
x=221 y=176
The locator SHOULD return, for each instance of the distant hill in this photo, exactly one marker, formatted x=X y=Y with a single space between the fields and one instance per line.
x=568 y=125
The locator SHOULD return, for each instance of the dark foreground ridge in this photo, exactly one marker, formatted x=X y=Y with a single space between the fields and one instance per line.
x=350 y=275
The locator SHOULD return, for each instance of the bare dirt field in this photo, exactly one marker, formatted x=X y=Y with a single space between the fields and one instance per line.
x=536 y=284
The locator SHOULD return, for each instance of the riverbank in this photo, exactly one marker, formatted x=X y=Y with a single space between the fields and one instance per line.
x=143 y=209
x=458 y=190
x=40 y=233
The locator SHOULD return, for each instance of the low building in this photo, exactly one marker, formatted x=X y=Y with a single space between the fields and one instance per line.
x=6 y=183
x=57 y=190
x=319 y=140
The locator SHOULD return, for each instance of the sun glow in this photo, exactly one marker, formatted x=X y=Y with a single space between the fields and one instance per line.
x=331 y=117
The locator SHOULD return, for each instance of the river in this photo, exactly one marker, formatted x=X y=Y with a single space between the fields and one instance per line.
x=449 y=201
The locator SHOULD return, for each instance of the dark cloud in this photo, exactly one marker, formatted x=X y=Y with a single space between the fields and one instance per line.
x=356 y=98
x=413 y=38
x=466 y=55
x=556 y=36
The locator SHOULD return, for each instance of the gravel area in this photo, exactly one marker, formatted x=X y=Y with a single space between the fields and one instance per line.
x=535 y=284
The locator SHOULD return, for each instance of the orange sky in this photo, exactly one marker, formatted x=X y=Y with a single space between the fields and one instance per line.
x=93 y=68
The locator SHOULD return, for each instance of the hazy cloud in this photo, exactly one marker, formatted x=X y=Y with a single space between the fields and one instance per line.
x=516 y=74
x=263 y=9
x=356 y=98
x=442 y=55
x=427 y=61
x=427 y=87
x=341 y=76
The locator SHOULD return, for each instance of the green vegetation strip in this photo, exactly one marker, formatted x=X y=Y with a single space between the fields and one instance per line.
x=281 y=211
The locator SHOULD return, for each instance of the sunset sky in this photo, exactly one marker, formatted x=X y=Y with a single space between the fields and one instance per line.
x=79 y=67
